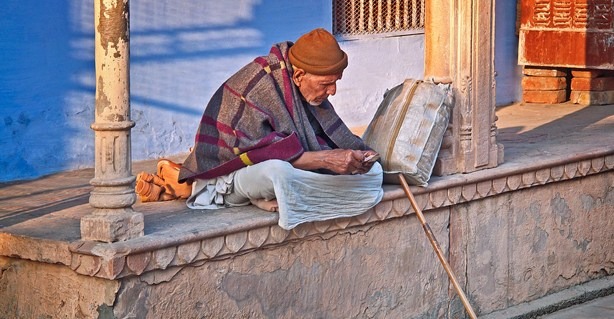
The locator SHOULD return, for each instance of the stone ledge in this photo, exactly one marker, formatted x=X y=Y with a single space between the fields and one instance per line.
x=240 y=230
x=192 y=237
x=557 y=301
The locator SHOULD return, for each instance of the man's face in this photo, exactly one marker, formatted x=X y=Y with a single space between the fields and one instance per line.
x=315 y=88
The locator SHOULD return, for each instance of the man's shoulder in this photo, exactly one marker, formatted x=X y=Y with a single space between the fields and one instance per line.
x=261 y=66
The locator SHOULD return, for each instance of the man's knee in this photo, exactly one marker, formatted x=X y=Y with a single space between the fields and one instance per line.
x=270 y=170
x=257 y=181
x=278 y=167
x=264 y=170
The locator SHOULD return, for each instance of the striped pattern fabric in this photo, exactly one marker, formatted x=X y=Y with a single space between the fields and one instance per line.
x=257 y=115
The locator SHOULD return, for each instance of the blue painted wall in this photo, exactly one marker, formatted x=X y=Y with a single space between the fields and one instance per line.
x=181 y=51
x=509 y=74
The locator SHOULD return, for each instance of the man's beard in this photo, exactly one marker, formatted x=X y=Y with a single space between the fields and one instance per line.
x=314 y=103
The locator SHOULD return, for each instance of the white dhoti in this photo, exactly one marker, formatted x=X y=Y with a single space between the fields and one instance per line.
x=302 y=196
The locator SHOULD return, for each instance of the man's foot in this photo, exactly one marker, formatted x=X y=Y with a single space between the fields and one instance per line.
x=268 y=205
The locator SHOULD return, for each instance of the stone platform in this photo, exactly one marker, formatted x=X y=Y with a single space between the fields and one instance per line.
x=539 y=223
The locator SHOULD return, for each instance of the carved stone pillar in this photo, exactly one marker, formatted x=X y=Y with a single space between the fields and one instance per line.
x=113 y=195
x=459 y=48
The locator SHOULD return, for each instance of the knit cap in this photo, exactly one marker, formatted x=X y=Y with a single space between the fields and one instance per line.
x=318 y=52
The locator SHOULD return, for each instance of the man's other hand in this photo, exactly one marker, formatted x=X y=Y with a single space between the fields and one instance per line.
x=340 y=161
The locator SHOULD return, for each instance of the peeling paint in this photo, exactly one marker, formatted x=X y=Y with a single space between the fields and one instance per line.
x=110 y=29
x=588 y=202
x=132 y=299
x=582 y=245
x=102 y=101
x=540 y=239
x=104 y=109
x=23 y=119
x=561 y=209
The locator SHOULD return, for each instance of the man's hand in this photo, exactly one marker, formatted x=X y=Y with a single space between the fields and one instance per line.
x=340 y=161
x=370 y=158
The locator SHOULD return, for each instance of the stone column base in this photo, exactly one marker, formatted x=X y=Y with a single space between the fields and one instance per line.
x=110 y=225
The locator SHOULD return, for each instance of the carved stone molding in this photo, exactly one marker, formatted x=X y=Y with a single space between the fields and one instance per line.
x=124 y=259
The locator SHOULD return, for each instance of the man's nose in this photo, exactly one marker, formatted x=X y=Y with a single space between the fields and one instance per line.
x=332 y=89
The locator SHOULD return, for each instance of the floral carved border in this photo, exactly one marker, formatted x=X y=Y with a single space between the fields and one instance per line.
x=105 y=261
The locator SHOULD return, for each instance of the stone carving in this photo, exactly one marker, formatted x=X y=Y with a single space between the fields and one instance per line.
x=90 y=259
x=572 y=14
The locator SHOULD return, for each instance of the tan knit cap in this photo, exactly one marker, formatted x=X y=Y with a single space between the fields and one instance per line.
x=318 y=52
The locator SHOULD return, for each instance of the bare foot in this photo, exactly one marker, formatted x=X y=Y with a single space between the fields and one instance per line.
x=268 y=205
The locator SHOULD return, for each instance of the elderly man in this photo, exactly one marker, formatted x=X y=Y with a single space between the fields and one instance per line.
x=270 y=137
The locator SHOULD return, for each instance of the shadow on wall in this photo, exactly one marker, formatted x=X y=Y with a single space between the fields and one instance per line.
x=38 y=106
x=180 y=53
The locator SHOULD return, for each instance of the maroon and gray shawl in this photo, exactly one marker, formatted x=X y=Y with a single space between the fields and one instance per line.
x=258 y=115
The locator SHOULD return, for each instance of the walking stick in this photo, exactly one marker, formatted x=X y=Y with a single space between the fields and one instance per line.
x=431 y=237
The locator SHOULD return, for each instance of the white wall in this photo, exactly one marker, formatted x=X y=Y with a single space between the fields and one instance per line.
x=375 y=65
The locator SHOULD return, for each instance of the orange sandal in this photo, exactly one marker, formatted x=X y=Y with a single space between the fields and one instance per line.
x=169 y=172
x=149 y=189
x=151 y=178
x=148 y=192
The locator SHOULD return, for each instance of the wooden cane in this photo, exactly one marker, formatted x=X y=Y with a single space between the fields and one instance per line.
x=431 y=237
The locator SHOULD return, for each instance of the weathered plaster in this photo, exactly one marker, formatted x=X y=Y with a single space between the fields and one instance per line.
x=159 y=252
x=383 y=270
x=527 y=244
x=38 y=290
x=510 y=238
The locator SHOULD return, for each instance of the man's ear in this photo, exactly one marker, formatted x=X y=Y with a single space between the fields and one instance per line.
x=297 y=76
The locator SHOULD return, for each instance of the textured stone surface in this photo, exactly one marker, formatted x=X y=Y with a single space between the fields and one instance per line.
x=452 y=37
x=543 y=83
x=550 y=148
x=544 y=97
x=587 y=73
x=112 y=226
x=592 y=97
x=507 y=249
x=523 y=245
x=576 y=297
x=592 y=84
x=38 y=290
x=534 y=236
x=537 y=71
x=383 y=270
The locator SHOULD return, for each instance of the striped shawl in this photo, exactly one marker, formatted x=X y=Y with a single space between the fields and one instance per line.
x=258 y=115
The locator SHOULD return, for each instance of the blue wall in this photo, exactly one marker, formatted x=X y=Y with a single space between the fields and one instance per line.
x=40 y=99
x=180 y=53
x=509 y=74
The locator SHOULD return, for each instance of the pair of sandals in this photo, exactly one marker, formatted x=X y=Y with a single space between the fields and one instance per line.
x=162 y=186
